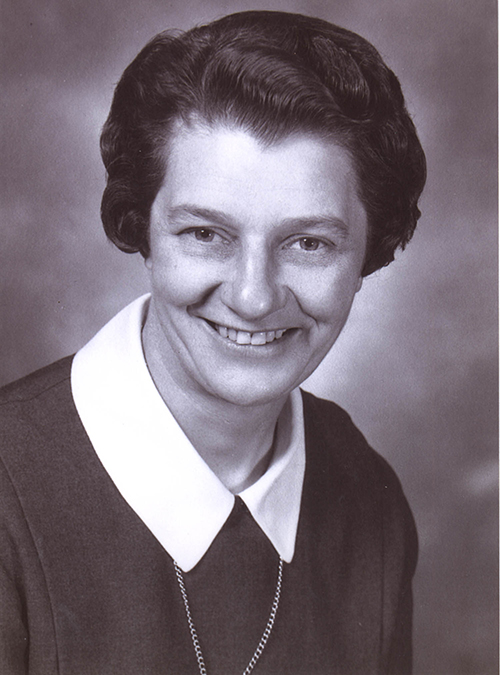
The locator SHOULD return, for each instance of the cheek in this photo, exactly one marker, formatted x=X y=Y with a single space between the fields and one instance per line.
x=179 y=281
x=326 y=296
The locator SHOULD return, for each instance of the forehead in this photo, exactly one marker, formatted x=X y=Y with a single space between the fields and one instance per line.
x=228 y=168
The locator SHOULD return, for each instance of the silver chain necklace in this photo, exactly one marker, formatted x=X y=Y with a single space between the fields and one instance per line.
x=265 y=634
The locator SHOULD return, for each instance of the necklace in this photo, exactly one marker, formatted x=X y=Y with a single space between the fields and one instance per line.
x=265 y=634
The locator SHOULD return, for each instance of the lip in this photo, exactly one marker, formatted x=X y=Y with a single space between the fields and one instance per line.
x=249 y=338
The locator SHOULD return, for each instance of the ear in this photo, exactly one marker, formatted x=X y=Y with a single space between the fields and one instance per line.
x=360 y=283
x=149 y=263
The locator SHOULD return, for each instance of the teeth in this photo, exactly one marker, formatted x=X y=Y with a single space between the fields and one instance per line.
x=243 y=337
x=258 y=338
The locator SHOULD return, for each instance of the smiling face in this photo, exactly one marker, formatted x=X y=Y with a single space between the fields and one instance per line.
x=256 y=255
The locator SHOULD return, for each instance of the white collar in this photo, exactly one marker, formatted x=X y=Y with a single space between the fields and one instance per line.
x=154 y=465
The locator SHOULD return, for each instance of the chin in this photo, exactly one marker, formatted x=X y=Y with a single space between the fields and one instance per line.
x=250 y=393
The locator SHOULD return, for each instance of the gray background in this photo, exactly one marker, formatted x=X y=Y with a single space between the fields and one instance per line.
x=416 y=364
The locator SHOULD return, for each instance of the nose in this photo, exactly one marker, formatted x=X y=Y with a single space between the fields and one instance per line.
x=254 y=290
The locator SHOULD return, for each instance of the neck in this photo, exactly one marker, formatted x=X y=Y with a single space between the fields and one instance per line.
x=236 y=441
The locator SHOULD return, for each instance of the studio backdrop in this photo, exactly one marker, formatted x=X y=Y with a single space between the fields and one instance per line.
x=416 y=363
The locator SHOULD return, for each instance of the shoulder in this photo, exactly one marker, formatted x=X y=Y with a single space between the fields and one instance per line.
x=35 y=411
x=341 y=443
x=36 y=384
x=343 y=467
x=45 y=454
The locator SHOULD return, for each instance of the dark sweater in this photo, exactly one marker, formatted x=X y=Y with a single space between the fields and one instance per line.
x=86 y=589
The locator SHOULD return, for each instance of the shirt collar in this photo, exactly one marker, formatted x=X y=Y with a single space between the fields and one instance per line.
x=154 y=465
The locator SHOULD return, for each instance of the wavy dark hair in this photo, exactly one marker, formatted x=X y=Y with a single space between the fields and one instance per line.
x=273 y=74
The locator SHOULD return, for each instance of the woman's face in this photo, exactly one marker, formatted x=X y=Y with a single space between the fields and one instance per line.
x=256 y=255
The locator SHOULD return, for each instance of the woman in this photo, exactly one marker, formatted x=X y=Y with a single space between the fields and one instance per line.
x=171 y=501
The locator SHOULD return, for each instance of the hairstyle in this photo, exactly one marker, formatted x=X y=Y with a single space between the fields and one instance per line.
x=273 y=74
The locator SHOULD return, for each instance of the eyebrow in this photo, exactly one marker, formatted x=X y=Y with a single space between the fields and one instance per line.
x=318 y=221
x=220 y=218
x=212 y=215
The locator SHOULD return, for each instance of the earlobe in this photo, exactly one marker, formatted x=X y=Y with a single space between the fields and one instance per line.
x=360 y=283
x=149 y=263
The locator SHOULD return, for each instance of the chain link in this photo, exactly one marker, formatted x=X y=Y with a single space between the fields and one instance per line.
x=265 y=635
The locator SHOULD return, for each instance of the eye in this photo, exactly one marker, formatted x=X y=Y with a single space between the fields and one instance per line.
x=204 y=234
x=309 y=243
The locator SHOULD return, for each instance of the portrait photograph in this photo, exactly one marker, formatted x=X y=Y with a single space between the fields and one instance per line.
x=249 y=337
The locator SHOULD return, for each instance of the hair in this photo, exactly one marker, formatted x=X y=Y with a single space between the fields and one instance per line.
x=273 y=74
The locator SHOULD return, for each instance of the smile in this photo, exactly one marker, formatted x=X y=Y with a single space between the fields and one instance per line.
x=243 y=337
